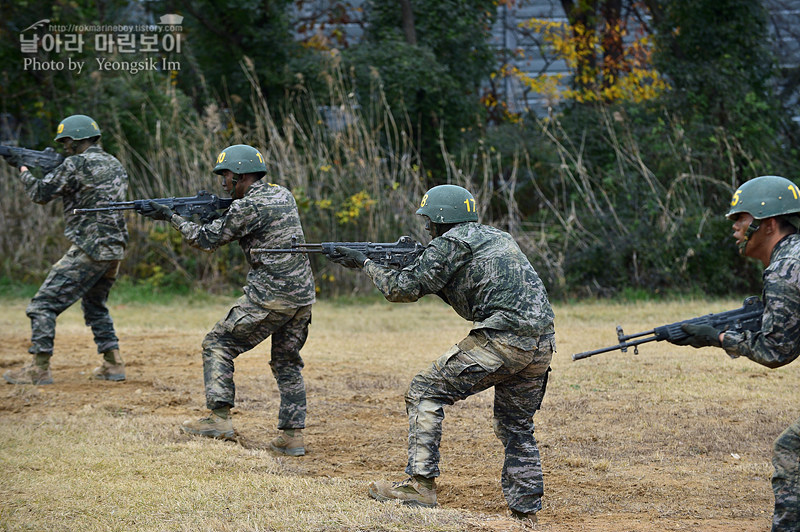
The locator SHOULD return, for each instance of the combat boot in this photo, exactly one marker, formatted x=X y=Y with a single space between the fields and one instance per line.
x=413 y=491
x=213 y=426
x=112 y=368
x=35 y=372
x=529 y=519
x=289 y=441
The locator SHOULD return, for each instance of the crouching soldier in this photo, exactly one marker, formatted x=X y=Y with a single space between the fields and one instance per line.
x=276 y=302
x=482 y=273
x=88 y=177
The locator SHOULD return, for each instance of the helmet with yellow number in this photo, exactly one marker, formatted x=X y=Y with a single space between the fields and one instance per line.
x=448 y=204
x=77 y=127
x=764 y=197
x=241 y=159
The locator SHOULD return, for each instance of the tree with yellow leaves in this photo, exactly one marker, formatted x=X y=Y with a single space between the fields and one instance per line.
x=606 y=65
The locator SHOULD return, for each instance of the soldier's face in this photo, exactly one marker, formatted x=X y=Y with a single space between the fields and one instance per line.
x=227 y=181
x=69 y=146
x=740 y=226
x=431 y=227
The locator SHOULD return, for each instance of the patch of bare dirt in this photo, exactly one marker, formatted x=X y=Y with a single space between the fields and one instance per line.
x=615 y=459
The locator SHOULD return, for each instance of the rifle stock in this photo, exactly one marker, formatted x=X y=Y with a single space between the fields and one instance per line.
x=746 y=318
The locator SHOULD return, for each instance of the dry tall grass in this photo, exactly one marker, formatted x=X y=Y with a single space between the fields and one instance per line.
x=671 y=439
x=357 y=176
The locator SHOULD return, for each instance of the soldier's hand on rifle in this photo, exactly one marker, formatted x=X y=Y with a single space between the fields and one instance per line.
x=351 y=258
x=157 y=211
x=210 y=217
x=699 y=336
x=13 y=160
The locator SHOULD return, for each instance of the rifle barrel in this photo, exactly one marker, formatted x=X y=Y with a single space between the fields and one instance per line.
x=623 y=345
x=125 y=207
x=298 y=248
x=626 y=337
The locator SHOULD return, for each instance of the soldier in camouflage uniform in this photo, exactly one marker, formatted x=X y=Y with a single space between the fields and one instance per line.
x=87 y=177
x=765 y=214
x=481 y=272
x=276 y=302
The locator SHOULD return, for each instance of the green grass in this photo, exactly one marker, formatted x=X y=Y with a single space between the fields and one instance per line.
x=130 y=291
x=11 y=289
x=127 y=291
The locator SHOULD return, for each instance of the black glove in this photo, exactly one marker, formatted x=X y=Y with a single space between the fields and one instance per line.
x=14 y=160
x=699 y=336
x=157 y=211
x=351 y=258
x=209 y=217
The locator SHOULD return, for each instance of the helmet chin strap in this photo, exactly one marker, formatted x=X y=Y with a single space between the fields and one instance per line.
x=747 y=234
x=234 y=181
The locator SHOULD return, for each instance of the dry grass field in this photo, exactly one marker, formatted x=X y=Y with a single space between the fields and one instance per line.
x=671 y=439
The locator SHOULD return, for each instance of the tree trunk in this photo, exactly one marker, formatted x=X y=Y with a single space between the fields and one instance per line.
x=611 y=11
x=582 y=16
x=408 y=22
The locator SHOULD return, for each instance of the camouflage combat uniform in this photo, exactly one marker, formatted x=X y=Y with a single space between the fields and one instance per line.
x=89 y=268
x=481 y=272
x=775 y=345
x=276 y=302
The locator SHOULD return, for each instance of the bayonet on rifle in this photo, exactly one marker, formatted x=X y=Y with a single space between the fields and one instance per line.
x=746 y=318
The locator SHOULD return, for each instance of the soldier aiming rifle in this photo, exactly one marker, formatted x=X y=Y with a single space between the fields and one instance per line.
x=87 y=271
x=766 y=216
x=482 y=273
x=276 y=302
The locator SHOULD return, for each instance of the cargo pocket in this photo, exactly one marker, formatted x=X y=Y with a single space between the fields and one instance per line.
x=540 y=396
x=465 y=365
x=244 y=321
x=476 y=346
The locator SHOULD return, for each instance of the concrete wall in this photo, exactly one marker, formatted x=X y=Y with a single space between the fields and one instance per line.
x=535 y=60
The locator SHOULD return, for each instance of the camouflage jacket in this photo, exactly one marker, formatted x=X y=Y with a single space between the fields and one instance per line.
x=778 y=341
x=481 y=272
x=266 y=217
x=84 y=181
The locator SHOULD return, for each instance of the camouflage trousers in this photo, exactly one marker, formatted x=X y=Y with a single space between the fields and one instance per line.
x=246 y=326
x=519 y=384
x=786 y=480
x=75 y=276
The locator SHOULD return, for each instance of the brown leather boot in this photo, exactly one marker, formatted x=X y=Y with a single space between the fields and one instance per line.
x=112 y=368
x=530 y=519
x=212 y=426
x=289 y=442
x=411 y=491
x=35 y=372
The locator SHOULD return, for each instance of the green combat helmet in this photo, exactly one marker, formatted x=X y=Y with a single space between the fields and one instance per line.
x=77 y=127
x=240 y=159
x=448 y=204
x=765 y=197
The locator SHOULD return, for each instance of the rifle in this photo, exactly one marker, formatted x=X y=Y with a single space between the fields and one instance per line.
x=47 y=159
x=394 y=255
x=203 y=204
x=747 y=318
